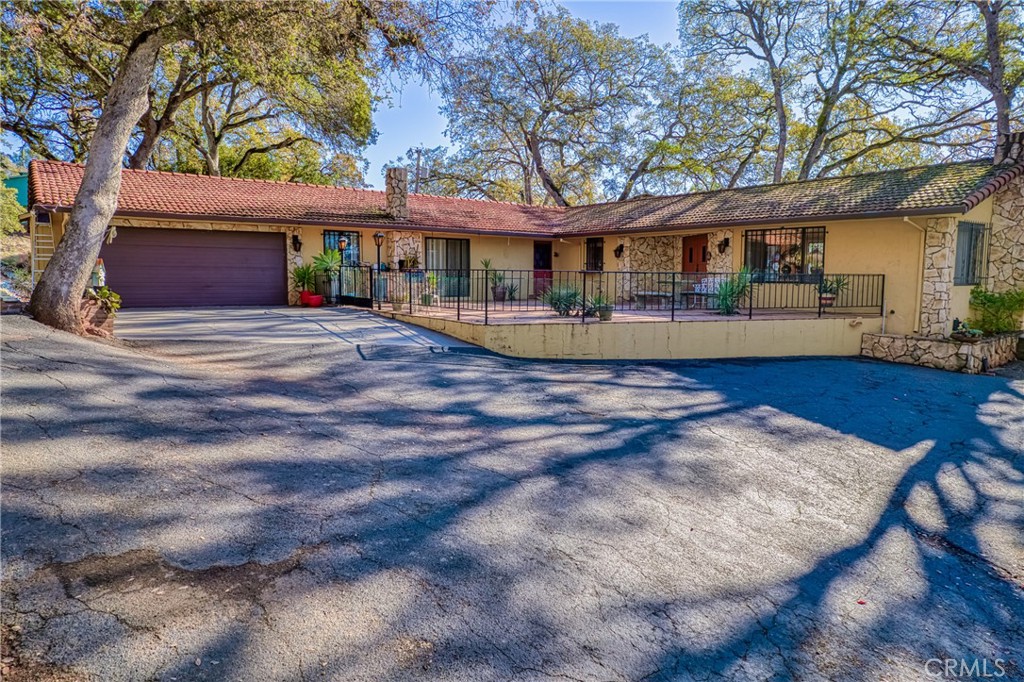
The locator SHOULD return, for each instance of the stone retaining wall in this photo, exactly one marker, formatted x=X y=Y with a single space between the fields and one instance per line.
x=948 y=354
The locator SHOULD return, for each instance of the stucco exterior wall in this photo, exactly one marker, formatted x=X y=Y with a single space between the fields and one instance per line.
x=726 y=338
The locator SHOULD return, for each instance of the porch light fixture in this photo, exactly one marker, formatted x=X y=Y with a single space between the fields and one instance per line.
x=618 y=250
x=723 y=245
x=378 y=239
x=296 y=243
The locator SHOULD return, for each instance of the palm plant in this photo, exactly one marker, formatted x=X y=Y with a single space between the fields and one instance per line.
x=328 y=264
x=303 y=277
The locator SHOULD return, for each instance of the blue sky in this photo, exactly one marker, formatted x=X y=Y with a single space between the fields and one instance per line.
x=413 y=119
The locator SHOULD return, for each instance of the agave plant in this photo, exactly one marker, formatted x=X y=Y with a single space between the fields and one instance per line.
x=563 y=299
x=731 y=292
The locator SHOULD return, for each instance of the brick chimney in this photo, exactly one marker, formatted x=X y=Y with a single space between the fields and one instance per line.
x=396 y=183
x=1010 y=148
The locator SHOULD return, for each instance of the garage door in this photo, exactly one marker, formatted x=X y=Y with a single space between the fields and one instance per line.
x=157 y=268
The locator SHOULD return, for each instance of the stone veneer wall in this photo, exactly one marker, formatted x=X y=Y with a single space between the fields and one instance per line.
x=652 y=254
x=720 y=262
x=401 y=245
x=292 y=258
x=937 y=288
x=1006 y=245
x=948 y=354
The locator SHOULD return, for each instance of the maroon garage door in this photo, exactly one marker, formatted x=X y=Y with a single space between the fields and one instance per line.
x=157 y=268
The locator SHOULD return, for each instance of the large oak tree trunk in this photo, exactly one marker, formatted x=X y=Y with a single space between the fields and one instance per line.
x=56 y=299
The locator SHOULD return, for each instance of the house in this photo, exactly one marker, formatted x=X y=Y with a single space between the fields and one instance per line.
x=928 y=233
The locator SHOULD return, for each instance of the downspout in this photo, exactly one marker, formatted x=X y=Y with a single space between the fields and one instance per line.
x=920 y=276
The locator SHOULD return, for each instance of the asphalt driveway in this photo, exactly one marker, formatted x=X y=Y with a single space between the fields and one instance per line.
x=351 y=326
x=279 y=511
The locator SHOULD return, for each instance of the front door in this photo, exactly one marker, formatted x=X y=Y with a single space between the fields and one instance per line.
x=541 y=267
x=695 y=253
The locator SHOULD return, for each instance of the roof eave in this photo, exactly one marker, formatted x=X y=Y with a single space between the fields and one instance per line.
x=711 y=225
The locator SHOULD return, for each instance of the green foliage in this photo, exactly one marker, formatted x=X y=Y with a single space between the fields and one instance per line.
x=833 y=285
x=965 y=329
x=329 y=262
x=512 y=291
x=108 y=300
x=732 y=291
x=997 y=313
x=10 y=209
x=304 y=277
x=564 y=299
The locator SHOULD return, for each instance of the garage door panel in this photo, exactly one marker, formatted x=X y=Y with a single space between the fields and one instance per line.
x=154 y=267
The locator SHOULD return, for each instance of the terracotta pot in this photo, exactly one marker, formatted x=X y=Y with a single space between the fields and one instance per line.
x=315 y=301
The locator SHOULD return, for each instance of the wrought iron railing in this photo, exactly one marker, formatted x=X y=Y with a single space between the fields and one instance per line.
x=583 y=294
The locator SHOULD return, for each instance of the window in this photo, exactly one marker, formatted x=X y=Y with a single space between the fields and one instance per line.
x=595 y=254
x=449 y=260
x=785 y=254
x=970 y=253
x=332 y=239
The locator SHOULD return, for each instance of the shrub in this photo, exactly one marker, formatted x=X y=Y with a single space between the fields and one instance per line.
x=304 y=277
x=731 y=292
x=997 y=313
x=563 y=299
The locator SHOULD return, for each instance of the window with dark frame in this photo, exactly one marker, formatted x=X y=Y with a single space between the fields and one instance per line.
x=595 y=253
x=785 y=253
x=332 y=240
x=970 y=253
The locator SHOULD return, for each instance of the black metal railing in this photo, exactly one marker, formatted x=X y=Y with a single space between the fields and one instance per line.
x=594 y=294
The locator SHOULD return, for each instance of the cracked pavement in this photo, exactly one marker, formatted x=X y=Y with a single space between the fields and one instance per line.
x=226 y=511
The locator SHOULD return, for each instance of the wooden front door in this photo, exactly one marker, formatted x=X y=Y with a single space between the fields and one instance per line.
x=695 y=253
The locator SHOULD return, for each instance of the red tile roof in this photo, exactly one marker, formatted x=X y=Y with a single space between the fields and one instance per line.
x=153 y=193
x=945 y=188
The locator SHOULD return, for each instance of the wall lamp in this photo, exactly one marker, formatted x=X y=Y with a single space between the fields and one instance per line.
x=723 y=245
x=618 y=250
x=296 y=243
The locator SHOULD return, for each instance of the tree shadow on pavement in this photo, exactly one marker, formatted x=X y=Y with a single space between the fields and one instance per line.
x=307 y=511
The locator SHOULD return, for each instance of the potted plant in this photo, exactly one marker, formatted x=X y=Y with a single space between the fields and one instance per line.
x=829 y=288
x=99 y=308
x=328 y=264
x=600 y=305
x=499 y=290
x=962 y=331
x=304 y=279
x=429 y=296
x=398 y=301
x=315 y=300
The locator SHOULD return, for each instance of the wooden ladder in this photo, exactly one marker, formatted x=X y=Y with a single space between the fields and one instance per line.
x=42 y=248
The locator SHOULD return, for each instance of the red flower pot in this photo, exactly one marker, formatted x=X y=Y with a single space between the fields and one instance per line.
x=315 y=300
x=304 y=297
